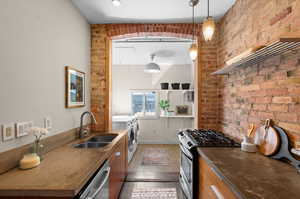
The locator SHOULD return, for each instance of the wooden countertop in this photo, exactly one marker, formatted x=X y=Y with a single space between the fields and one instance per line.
x=252 y=175
x=62 y=173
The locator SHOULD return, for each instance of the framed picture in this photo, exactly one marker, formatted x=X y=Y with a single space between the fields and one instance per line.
x=8 y=131
x=75 y=88
x=182 y=110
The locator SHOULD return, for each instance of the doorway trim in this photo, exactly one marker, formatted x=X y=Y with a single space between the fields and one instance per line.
x=101 y=63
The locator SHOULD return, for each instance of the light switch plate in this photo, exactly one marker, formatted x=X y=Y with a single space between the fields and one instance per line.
x=21 y=129
x=47 y=123
x=8 y=132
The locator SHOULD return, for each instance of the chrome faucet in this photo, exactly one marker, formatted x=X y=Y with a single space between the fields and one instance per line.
x=83 y=132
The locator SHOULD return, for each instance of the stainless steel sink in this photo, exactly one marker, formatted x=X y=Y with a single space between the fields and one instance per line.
x=103 y=138
x=90 y=145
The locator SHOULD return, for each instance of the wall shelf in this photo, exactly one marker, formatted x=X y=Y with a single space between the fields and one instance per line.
x=163 y=90
x=179 y=90
x=177 y=116
x=258 y=54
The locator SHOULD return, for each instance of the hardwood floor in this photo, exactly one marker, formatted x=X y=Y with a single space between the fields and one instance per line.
x=164 y=175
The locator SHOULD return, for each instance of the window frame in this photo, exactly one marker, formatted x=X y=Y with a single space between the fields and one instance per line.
x=144 y=116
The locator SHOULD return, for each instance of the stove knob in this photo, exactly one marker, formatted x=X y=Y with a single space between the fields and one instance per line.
x=181 y=133
x=190 y=144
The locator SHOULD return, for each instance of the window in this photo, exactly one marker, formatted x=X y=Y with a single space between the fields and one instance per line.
x=144 y=104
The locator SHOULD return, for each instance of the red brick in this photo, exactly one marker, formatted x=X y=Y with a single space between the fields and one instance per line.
x=282 y=100
x=268 y=85
x=290 y=126
x=285 y=12
x=294 y=91
x=286 y=117
x=263 y=100
x=251 y=87
x=294 y=108
x=259 y=107
x=277 y=92
x=278 y=107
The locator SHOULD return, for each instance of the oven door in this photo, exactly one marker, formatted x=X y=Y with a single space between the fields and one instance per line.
x=186 y=172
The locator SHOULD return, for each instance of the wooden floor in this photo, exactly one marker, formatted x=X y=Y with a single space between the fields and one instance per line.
x=153 y=176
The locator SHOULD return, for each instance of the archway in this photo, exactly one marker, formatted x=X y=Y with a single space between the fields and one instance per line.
x=102 y=36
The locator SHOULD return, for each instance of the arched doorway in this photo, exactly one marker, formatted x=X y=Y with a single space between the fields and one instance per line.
x=102 y=36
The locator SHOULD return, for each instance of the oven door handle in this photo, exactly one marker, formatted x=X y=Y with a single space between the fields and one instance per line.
x=186 y=189
x=186 y=152
x=107 y=171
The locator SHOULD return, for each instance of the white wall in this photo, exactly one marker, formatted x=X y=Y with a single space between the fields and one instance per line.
x=159 y=130
x=37 y=40
x=133 y=77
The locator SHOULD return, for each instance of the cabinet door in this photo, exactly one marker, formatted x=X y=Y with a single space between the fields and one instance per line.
x=210 y=185
x=118 y=170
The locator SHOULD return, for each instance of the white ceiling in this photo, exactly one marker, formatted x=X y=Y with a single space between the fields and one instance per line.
x=138 y=53
x=149 y=11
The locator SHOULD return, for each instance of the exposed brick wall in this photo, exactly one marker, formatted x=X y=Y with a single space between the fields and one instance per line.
x=207 y=63
x=99 y=73
x=267 y=90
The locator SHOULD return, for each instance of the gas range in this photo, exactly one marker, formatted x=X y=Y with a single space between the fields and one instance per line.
x=191 y=138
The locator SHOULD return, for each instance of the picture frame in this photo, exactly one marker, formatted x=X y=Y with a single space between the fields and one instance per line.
x=8 y=132
x=75 y=88
x=182 y=110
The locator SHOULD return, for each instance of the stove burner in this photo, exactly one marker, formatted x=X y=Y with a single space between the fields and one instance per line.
x=210 y=138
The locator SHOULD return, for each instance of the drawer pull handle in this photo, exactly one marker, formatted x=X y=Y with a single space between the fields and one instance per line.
x=118 y=153
x=216 y=192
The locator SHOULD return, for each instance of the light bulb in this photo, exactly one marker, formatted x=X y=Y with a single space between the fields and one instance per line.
x=193 y=52
x=116 y=3
x=208 y=28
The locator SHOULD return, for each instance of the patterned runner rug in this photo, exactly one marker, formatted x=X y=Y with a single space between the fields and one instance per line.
x=155 y=157
x=154 y=193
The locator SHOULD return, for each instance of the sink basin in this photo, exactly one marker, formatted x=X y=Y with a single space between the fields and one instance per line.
x=90 y=145
x=103 y=138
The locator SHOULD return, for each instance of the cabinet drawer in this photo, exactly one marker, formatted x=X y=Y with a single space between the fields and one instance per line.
x=210 y=185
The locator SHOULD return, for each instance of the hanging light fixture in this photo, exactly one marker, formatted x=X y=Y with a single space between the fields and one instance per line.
x=152 y=67
x=208 y=26
x=193 y=49
x=116 y=3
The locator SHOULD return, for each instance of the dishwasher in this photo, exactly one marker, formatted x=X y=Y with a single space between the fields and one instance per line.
x=98 y=186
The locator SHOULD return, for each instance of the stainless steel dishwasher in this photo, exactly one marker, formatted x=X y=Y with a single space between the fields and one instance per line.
x=98 y=187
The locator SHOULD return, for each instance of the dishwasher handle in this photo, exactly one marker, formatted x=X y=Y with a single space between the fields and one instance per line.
x=107 y=171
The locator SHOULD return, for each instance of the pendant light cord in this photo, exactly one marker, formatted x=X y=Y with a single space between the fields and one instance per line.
x=207 y=8
x=193 y=22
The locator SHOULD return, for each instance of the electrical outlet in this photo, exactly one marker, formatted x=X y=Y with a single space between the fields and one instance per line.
x=30 y=124
x=21 y=129
x=47 y=123
x=27 y=126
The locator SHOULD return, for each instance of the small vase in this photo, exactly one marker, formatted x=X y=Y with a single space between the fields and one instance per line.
x=37 y=148
x=164 y=113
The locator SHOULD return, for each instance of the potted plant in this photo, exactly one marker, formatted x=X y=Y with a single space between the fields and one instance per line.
x=164 y=105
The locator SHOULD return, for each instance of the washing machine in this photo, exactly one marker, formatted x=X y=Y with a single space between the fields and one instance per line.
x=121 y=122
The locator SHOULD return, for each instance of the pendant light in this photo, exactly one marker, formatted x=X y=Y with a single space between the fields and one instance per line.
x=152 y=67
x=193 y=49
x=116 y=3
x=208 y=26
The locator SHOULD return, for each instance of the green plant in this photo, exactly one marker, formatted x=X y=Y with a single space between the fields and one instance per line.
x=164 y=104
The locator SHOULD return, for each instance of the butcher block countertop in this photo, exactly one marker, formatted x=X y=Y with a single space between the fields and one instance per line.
x=252 y=175
x=62 y=173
